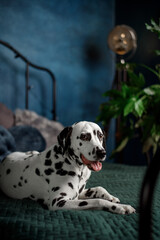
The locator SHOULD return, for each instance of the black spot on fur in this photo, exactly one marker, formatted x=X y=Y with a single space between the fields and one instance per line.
x=61 y=172
x=63 y=194
x=58 y=199
x=20 y=184
x=56 y=156
x=64 y=139
x=89 y=193
x=37 y=171
x=94 y=150
x=49 y=171
x=48 y=154
x=67 y=161
x=58 y=149
x=32 y=196
x=47 y=180
x=26 y=168
x=84 y=203
x=80 y=144
x=70 y=185
x=48 y=162
x=85 y=137
x=113 y=207
x=54 y=201
x=95 y=195
x=21 y=178
x=102 y=196
x=55 y=189
x=81 y=189
x=14 y=186
x=106 y=209
x=58 y=165
x=94 y=132
x=71 y=173
x=41 y=202
x=8 y=171
x=61 y=203
x=25 y=181
x=79 y=176
x=78 y=162
x=71 y=152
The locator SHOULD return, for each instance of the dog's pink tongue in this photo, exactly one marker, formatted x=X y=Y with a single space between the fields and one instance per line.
x=95 y=166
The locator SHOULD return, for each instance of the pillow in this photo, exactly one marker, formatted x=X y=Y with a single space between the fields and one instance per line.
x=7 y=143
x=48 y=128
x=27 y=138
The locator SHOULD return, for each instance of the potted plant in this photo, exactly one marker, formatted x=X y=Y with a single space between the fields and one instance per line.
x=137 y=106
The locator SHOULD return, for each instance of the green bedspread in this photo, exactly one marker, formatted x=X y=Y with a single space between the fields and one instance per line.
x=28 y=220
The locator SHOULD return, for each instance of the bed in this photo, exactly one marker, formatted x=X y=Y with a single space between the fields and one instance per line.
x=26 y=219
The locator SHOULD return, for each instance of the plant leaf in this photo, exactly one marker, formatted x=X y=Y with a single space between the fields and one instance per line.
x=149 y=91
x=136 y=80
x=139 y=107
x=129 y=106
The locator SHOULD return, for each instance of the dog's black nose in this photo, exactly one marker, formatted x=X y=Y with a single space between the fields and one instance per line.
x=101 y=153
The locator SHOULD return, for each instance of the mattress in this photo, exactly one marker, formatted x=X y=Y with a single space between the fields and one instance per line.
x=26 y=219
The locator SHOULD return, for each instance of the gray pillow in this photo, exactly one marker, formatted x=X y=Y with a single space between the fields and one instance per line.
x=28 y=138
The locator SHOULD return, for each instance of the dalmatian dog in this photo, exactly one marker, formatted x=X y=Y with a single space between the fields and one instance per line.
x=58 y=176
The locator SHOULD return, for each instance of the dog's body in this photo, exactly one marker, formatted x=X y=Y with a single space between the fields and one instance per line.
x=58 y=175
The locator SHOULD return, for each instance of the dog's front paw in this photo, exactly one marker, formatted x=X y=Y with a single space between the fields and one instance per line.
x=123 y=209
x=129 y=209
x=119 y=208
x=114 y=199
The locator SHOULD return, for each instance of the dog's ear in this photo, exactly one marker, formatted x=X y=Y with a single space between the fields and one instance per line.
x=64 y=139
x=104 y=139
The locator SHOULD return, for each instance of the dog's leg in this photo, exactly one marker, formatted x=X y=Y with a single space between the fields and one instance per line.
x=98 y=192
x=99 y=204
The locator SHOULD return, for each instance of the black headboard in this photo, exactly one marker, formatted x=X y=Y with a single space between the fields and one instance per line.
x=27 y=87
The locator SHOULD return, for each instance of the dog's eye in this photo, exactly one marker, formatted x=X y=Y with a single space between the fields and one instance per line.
x=85 y=137
x=100 y=135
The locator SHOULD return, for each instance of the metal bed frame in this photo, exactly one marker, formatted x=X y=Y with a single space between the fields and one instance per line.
x=27 y=86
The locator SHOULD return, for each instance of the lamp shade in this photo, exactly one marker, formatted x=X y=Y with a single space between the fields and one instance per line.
x=122 y=39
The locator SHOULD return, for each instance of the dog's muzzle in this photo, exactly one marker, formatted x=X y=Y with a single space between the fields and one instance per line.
x=94 y=165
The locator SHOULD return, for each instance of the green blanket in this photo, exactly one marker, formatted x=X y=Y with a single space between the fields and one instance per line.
x=26 y=219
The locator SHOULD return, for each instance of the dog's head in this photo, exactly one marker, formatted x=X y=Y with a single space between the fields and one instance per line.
x=85 y=141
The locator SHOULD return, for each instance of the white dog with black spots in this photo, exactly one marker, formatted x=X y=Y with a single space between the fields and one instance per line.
x=57 y=176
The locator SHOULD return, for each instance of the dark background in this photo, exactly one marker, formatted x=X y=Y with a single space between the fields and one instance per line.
x=135 y=14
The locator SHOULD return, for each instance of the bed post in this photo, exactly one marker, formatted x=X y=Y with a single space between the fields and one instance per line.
x=146 y=198
x=27 y=84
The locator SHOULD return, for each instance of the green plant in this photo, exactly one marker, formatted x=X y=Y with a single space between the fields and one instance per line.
x=137 y=106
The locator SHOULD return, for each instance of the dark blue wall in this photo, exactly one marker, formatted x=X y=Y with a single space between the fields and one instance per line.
x=69 y=37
